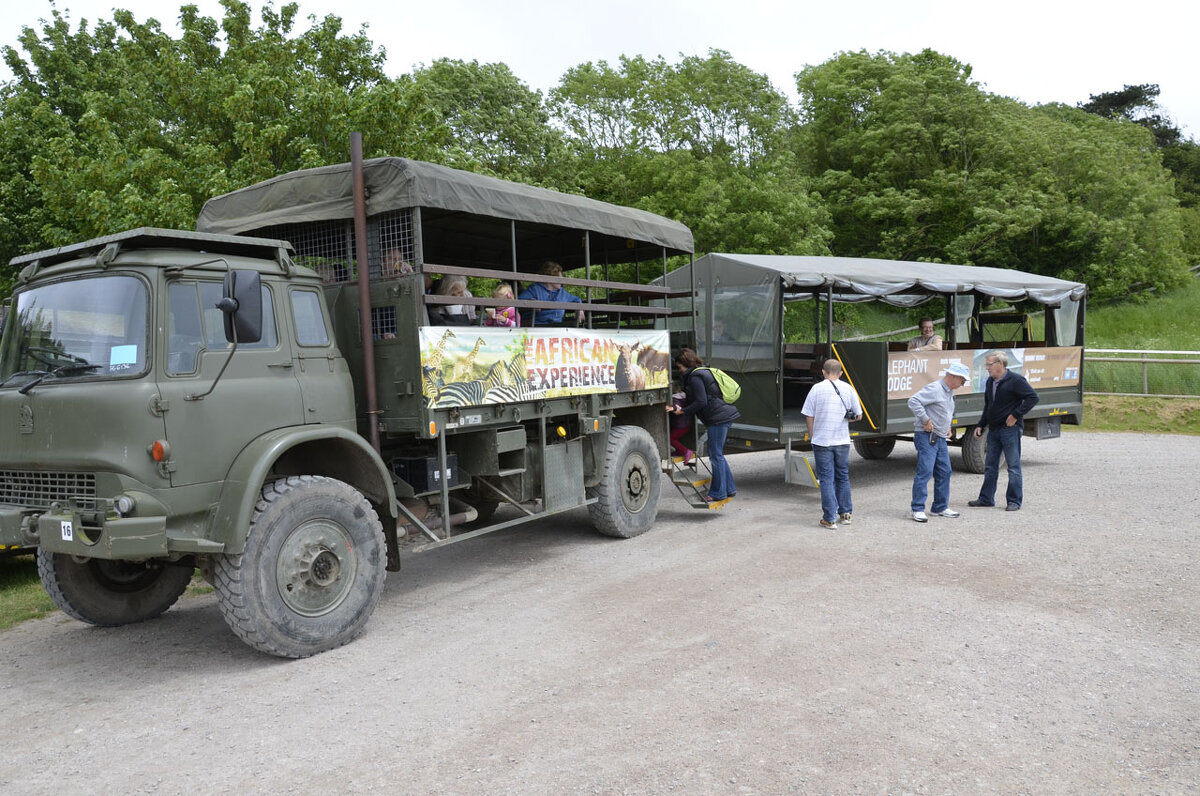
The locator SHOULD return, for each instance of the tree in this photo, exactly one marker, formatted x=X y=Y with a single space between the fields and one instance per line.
x=705 y=141
x=1137 y=104
x=497 y=123
x=122 y=125
x=916 y=161
x=711 y=106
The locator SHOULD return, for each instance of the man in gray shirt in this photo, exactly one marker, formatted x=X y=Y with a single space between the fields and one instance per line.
x=933 y=410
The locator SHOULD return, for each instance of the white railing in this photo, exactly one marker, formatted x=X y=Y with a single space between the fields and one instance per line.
x=1183 y=382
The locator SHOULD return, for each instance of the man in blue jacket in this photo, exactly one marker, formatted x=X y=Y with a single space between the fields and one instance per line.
x=548 y=291
x=1007 y=399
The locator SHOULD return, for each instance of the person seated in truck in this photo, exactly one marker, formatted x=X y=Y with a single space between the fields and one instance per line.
x=394 y=264
x=452 y=314
x=548 y=291
x=927 y=340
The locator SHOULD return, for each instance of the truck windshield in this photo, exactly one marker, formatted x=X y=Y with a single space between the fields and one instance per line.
x=85 y=328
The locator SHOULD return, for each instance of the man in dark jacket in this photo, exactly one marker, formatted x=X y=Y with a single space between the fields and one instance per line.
x=1007 y=399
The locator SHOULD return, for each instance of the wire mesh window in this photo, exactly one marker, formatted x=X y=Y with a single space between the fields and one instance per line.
x=327 y=247
x=383 y=322
x=397 y=245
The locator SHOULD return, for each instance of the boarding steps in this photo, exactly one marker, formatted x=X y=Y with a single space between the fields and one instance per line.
x=691 y=483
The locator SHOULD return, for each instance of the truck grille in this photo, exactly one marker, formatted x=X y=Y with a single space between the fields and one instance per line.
x=36 y=489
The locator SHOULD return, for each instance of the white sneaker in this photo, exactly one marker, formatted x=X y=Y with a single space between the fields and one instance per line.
x=947 y=513
x=919 y=516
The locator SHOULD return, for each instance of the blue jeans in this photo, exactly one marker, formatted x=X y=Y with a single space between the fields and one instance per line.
x=1006 y=440
x=833 y=471
x=721 y=485
x=933 y=459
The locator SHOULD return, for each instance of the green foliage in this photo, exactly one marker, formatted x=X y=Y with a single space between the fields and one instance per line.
x=116 y=124
x=916 y=162
x=1136 y=104
x=705 y=141
x=122 y=126
x=496 y=122
x=1159 y=322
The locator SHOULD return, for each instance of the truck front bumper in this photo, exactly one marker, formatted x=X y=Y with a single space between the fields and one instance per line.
x=86 y=534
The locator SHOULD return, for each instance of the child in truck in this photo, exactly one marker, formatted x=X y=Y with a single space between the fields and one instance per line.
x=502 y=316
x=681 y=424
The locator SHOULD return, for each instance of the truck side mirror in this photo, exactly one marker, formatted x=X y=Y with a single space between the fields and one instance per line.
x=241 y=302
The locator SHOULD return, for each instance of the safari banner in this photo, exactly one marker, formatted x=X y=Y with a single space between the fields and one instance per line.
x=909 y=371
x=476 y=366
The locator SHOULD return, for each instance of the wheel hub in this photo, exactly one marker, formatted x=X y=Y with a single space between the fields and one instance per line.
x=636 y=493
x=316 y=568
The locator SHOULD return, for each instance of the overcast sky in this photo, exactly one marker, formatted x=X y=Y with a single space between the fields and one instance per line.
x=1033 y=50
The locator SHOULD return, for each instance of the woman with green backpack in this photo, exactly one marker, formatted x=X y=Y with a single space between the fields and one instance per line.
x=705 y=400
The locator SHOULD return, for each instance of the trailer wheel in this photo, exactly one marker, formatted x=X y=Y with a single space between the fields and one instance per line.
x=875 y=448
x=974 y=451
x=312 y=571
x=111 y=593
x=630 y=485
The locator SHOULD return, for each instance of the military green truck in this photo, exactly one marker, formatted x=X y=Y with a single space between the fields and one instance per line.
x=220 y=400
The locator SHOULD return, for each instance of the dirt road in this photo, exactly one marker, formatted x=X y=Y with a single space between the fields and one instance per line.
x=1051 y=650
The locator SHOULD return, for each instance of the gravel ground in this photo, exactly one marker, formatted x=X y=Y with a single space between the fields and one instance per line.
x=1052 y=650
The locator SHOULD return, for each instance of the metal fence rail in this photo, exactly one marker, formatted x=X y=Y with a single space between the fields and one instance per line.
x=1120 y=371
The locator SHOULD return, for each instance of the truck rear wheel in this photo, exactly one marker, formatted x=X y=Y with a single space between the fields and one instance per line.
x=312 y=571
x=627 y=495
x=875 y=448
x=111 y=593
x=974 y=450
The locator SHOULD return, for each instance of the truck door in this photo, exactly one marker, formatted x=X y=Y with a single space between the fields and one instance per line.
x=325 y=386
x=865 y=365
x=257 y=392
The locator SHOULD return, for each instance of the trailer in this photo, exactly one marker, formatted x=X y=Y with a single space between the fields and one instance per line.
x=737 y=324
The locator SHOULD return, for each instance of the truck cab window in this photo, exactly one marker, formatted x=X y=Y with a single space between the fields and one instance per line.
x=85 y=328
x=214 y=323
x=306 y=314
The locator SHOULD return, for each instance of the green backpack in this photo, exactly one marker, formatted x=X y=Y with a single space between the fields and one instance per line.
x=730 y=389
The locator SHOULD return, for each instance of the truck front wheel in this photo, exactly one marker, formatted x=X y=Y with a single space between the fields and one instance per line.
x=111 y=593
x=627 y=495
x=312 y=571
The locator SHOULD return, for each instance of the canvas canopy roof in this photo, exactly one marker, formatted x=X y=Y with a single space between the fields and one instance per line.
x=893 y=281
x=324 y=193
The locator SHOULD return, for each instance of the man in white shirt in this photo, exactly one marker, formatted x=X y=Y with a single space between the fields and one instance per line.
x=828 y=410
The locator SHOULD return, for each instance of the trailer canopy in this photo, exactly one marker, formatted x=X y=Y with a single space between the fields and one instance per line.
x=896 y=282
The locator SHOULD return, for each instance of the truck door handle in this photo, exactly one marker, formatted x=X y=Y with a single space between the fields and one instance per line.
x=280 y=365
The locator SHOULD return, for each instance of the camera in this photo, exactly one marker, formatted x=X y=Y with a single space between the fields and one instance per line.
x=850 y=414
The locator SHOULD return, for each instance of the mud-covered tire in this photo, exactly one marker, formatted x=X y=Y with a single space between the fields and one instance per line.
x=312 y=571
x=875 y=448
x=111 y=593
x=630 y=485
x=974 y=451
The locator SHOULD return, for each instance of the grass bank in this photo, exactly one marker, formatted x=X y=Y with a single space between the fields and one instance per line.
x=21 y=594
x=1143 y=415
